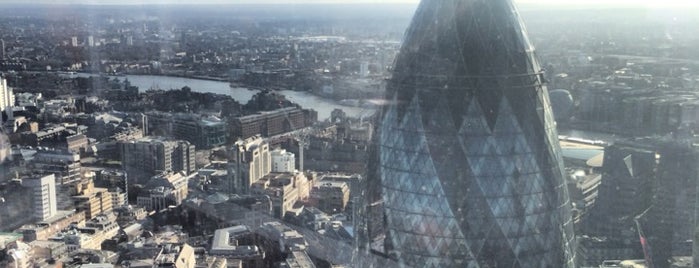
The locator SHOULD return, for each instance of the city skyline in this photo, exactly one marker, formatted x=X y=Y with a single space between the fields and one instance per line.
x=627 y=3
x=443 y=134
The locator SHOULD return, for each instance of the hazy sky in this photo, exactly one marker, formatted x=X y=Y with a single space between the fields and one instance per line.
x=654 y=3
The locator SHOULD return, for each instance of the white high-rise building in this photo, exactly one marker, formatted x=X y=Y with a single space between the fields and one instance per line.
x=283 y=161
x=7 y=98
x=43 y=196
x=91 y=41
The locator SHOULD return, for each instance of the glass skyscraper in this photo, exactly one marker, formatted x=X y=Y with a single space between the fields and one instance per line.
x=467 y=155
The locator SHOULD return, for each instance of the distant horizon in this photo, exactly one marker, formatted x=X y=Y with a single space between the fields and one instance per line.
x=552 y=3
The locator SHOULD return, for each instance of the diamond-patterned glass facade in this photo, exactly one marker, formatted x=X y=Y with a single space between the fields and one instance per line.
x=468 y=158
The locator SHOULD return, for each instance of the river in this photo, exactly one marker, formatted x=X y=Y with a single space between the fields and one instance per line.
x=309 y=101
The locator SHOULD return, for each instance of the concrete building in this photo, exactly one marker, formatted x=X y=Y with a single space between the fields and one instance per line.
x=204 y=132
x=284 y=189
x=95 y=232
x=161 y=191
x=227 y=244
x=357 y=131
x=128 y=214
x=44 y=249
x=119 y=197
x=283 y=161
x=180 y=257
x=330 y=196
x=251 y=160
x=270 y=123
x=92 y=200
x=76 y=143
x=236 y=210
x=7 y=98
x=99 y=229
x=43 y=196
x=286 y=239
x=43 y=230
x=64 y=165
x=149 y=156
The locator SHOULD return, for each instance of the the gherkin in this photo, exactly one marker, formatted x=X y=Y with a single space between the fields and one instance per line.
x=467 y=155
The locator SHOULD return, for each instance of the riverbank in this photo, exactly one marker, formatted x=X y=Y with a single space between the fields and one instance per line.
x=208 y=78
x=322 y=105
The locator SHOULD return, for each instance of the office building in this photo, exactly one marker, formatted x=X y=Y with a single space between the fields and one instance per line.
x=92 y=200
x=670 y=221
x=7 y=99
x=204 y=132
x=251 y=160
x=284 y=189
x=283 y=161
x=230 y=243
x=149 y=156
x=467 y=156
x=64 y=165
x=330 y=196
x=628 y=174
x=270 y=123
x=43 y=196
x=77 y=143
x=164 y=190
x=284 y=238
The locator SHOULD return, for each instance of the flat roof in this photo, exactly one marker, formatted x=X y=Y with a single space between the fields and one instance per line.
x=221 y=239
x=331 y=184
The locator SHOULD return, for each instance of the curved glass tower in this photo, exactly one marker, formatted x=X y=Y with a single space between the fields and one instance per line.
x=467 y=153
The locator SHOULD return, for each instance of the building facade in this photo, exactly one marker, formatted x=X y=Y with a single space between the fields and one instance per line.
x=467 y=155
x=283 y=161
x=270 y=123
x=7 y=98
x=164 y=190
x=284 y=189
x=625 y=191
x=43 y=196
x=251 y=160
x=147 y=157
x=331 y=196
x=203 y=132
x=64 y=165
x=92 y=200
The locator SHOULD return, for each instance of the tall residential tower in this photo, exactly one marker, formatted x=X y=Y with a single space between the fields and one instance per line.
x=467 y=155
